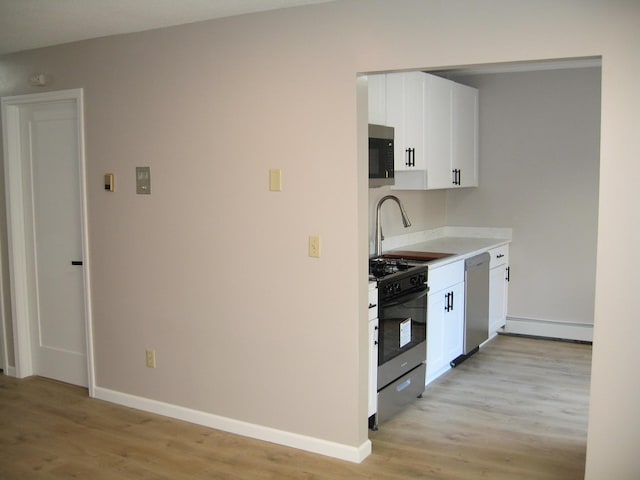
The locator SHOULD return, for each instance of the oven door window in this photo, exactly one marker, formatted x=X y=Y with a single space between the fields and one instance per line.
x=403 y=325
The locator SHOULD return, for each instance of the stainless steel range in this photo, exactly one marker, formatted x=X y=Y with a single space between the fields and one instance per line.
x=402 y=345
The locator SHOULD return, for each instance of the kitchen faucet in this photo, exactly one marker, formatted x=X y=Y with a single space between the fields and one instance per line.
x=379 y=236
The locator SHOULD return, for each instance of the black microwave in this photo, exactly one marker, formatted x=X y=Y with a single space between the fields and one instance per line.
x=380 y=155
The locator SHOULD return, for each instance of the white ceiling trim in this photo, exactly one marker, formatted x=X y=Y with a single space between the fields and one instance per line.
x=515 y=67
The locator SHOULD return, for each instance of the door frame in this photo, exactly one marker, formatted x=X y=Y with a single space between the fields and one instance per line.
x=19 y=254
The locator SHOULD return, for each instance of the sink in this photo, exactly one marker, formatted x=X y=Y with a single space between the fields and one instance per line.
x=417 y=256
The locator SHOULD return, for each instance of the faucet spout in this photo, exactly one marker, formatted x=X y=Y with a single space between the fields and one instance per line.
x=403 y=213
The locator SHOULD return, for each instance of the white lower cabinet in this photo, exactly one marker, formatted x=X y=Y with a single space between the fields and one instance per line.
x=445 y=318
x=498 y=288
x=373 y=351
x=373 y=367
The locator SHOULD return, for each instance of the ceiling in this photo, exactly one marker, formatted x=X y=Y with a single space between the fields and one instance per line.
x=27 y=24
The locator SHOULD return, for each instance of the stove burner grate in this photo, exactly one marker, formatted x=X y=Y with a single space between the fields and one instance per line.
x=380 y=267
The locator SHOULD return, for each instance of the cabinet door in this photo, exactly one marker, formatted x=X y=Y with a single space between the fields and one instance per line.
x=414 y=118
x=435 y=335
x=373 y=367
x=498 y=288
x=445 y=329
x=465 y=135
x=454 y=324
x=438 y=133
x=395 y=117
x=377 y=99
x=405 y=112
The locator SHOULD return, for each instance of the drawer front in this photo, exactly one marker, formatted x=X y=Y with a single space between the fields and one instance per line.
x=445 y=276
x=373 y=303
x=499 y=256
x=396 y=396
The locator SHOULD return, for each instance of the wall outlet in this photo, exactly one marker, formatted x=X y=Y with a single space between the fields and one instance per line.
x=314 y=246
x=151 y=358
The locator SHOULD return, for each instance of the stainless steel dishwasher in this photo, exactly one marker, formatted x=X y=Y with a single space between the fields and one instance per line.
x=476 y=305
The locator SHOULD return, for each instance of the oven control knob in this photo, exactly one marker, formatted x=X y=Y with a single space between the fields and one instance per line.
x=392 y=289
x=414 y=280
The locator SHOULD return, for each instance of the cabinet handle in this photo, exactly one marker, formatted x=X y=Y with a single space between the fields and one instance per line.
x=448 y=302
x=371 y=305
x=508 y=274
x=457 y=174
x=500 y=255
x=411 y=157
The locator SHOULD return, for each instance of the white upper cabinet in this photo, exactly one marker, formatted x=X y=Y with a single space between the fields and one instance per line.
x=436 y=129
x=377 y=99
x=405 y=112
x=464 y=143
x=438 y=132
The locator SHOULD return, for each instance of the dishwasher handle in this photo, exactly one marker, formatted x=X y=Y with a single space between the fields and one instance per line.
x=478 y=261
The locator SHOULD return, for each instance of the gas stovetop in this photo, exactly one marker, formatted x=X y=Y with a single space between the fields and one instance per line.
x=381 y=267
x=397 y=277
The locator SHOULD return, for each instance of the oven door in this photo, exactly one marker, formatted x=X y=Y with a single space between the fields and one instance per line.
x=402 y=335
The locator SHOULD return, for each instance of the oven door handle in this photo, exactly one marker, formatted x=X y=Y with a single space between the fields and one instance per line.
x=405 y=299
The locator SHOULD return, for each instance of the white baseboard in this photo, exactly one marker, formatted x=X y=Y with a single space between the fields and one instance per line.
x=281 y=437
x=436 y=375
x=549 y=328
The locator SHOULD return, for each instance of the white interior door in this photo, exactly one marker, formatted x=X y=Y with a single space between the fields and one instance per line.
x=46 y=212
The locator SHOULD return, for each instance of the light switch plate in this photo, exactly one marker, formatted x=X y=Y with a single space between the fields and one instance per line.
x=275 y=180
x=143 y=180
x=314 y=246
x=151 y=358
x=109 y=184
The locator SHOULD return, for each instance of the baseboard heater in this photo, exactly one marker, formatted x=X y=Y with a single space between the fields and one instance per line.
x=461 y=358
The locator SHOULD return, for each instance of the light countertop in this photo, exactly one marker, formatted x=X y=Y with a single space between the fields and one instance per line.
x=460 y=247
x=462 y=242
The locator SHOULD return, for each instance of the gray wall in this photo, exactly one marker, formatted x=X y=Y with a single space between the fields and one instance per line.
x=539 y=174
x=212 y=106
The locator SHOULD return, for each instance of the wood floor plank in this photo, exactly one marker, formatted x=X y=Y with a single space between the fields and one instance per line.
x=515 y=410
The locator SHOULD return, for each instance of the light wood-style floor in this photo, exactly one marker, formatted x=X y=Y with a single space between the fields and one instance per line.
x=515 y=410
